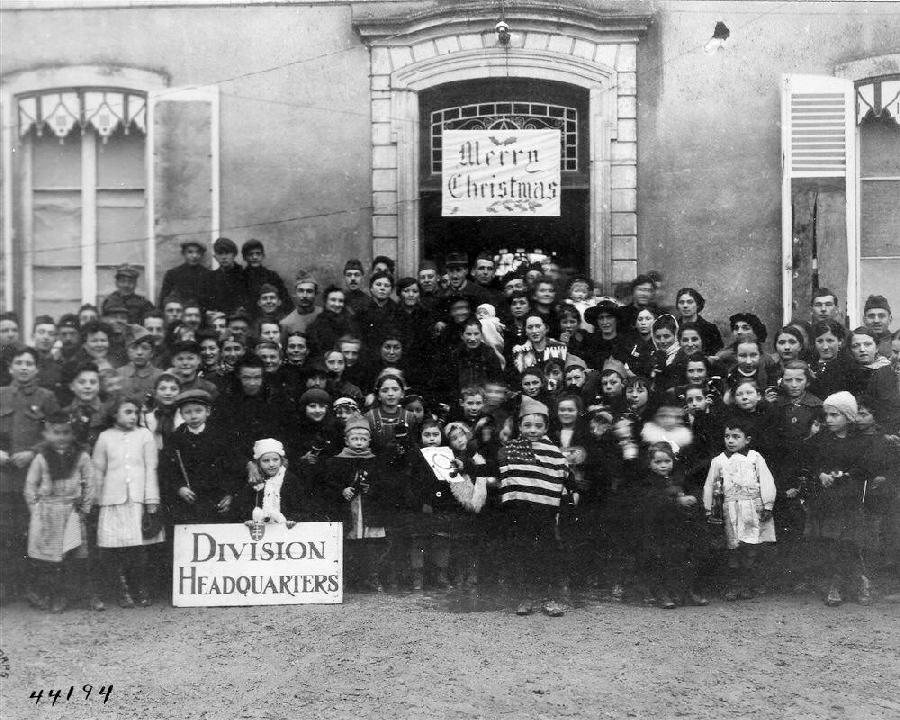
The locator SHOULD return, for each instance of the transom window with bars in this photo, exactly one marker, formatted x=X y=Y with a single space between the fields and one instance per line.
x=508 y=115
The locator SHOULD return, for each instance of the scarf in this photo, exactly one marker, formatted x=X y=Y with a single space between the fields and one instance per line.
x=352 y=454
x=271 y=493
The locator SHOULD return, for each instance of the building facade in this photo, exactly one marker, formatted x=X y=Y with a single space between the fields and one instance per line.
x=316 y=127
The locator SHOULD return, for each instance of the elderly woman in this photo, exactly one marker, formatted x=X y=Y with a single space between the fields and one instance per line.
x=689 y=304
x=538 y=348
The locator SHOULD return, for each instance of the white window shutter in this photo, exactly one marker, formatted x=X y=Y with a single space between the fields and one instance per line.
x=818 y=140
x=182 y=172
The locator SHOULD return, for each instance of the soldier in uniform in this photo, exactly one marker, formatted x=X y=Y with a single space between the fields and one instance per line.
x=136 y=305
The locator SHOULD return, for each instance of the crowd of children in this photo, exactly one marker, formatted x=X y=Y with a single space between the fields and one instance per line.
x=523 y=432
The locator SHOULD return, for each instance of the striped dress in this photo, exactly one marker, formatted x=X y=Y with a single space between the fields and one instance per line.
x=533 y=473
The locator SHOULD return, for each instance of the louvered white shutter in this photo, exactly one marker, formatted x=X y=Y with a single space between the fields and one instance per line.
x=818 y=140
x=183 y=172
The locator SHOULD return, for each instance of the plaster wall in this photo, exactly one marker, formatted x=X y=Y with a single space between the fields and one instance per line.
x=709 y=137
x=295 y=131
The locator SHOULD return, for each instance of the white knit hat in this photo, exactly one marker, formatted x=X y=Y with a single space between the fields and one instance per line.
x=267 y=445
x=844 y=403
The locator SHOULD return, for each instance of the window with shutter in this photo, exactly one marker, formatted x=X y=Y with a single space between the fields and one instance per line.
x=818 y=190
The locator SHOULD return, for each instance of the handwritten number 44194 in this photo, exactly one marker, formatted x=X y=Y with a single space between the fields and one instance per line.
x=54 y=695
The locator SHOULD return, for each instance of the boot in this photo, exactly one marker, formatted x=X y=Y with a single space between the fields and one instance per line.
x=95 y=603
x=125 y=599
x=697 y=598
x=57 y=591
x=865 y=591
x=834 y=597
x=552 y=608
x=441 y=580
x=665 y=600
x=37 y=591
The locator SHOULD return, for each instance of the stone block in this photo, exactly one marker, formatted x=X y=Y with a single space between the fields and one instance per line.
x=626 y=61
x=384 y=157
x=561 y=44
x=584 y=49
x=401 y=56
x=624 y=152
x=624 y=247
x=384 y=226
x=627 y=106
x=536 y=41
x=627 y=130
x=384 y=246
x=384 y=180
x=381 y=61
x=447 y=45
x=384 y=203
x=623 y=176
x=624 y=223
x=624 y=270
x=381 y=109
x=471 y=41
x=379 y=83
x=381 y=133
x=627 y=83
x=423 y=50
x=624 y=200
x=606 y=55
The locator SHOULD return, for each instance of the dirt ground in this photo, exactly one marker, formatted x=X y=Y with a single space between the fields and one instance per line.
x=414 y=656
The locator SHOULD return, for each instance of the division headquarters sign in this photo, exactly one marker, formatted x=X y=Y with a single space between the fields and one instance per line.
x=257 y=564
x=500 y=172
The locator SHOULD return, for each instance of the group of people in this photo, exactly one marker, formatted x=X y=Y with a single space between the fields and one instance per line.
x=469 y=430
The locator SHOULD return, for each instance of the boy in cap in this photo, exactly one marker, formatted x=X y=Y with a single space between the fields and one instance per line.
x=199 y=474
x=534 y=478
x=139 y=374
x=363 y=495
x=225 y=288
x=353 y=277
x=256 y=274
x=186 y=367
x=186 y=280
x=135 y=305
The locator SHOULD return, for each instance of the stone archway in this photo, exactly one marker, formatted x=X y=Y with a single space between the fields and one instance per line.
x=593 y=50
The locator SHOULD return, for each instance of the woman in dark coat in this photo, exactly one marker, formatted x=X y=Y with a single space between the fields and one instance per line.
x=689 y=304
x=870 y=374
x=333 y=322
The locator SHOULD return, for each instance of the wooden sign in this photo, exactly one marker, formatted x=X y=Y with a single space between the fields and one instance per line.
x=257 y=564
x=491 y=173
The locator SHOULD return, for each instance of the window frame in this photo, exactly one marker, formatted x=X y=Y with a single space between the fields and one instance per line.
x=35 y=81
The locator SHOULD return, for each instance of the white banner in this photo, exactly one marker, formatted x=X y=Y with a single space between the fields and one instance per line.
x=257 y=564
x=500 y=172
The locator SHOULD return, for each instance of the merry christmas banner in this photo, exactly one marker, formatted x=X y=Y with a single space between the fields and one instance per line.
x=501 y=173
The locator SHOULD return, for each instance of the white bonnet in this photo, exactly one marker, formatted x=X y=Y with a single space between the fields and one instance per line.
x=267 y=445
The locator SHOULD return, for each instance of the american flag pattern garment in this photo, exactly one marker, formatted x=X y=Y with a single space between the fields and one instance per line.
x=533 y=472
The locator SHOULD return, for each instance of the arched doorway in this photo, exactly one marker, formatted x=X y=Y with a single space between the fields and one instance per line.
x=593 y=53
x=507 y=103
